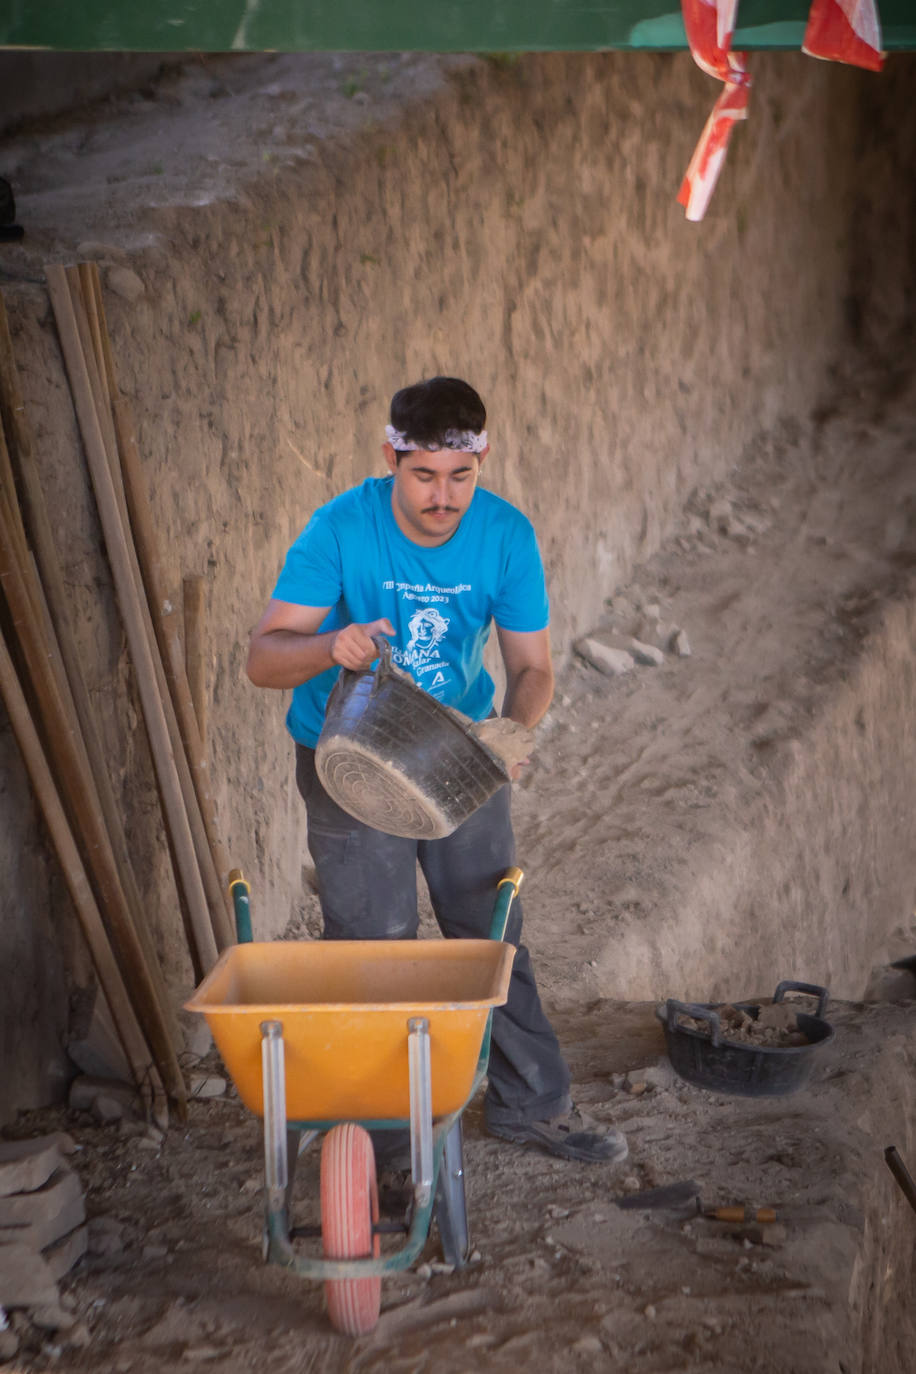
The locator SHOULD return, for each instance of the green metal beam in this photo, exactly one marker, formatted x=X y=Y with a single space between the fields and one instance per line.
x=399 y=25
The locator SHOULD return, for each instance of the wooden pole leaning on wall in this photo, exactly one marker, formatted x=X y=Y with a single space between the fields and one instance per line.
x=61 y=728
x=204 y=859
x=78 y=885
x=131 y=613
x=214 y=861
x=88 y=332
x=51 y=582
x=194 y=612
x=163 y=632
x=187 y=842
x=85 y=297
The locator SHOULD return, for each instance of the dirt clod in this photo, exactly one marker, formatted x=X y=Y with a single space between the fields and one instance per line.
x=777 y=1030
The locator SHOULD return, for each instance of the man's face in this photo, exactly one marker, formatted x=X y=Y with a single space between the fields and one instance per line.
x=432 y=491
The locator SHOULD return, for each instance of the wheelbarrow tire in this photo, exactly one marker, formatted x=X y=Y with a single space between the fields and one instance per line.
x=349 y=1212
x=451 y=1206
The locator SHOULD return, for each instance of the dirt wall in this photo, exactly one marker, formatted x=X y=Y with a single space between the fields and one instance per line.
x=41 y=85
x=812 y=879
x=347 y=227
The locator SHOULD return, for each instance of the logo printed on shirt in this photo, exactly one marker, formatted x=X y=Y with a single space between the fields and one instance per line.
x=352 y=558
x=428 y=627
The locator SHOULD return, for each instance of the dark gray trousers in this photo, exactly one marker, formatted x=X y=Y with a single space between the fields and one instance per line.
x=367 y=885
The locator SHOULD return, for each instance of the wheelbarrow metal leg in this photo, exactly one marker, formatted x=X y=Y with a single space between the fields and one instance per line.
x=421 y=1109
x=276 y=1160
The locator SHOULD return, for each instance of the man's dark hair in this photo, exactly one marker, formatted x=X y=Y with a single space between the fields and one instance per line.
x=426 y=411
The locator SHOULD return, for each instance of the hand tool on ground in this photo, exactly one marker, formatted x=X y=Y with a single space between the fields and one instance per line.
x=674 y=1196
x=740 y=1212
x=685 y=1197
x=901 y=1174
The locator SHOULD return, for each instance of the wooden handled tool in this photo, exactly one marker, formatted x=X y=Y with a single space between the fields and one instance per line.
x=764 y=1215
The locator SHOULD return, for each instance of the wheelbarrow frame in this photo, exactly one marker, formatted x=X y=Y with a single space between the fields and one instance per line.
x=437 y=1176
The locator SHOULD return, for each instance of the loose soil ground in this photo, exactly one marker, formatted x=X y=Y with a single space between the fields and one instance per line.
x=561 y=1275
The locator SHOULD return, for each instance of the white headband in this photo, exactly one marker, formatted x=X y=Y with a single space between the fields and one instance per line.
x=458 y=440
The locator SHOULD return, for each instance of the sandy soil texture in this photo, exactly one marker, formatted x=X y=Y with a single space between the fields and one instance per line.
x=560 y=1274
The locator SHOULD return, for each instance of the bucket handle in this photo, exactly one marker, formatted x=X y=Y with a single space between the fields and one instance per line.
x=384 y=665
x=699 y=1013
x=383 y=669
x=812 y=988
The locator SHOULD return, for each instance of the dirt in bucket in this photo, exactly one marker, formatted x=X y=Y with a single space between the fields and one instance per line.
x=774 y=1027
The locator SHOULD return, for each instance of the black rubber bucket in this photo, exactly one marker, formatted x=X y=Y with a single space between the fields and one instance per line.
x=723 y=1066
x=397 y=759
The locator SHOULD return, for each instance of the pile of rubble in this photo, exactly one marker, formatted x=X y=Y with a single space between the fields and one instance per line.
x=42 y=1233
x=638 y=633
x=774 y=1026
x=637 y=636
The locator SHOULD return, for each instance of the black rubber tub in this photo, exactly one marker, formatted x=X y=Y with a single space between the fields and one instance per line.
x=397 y=759
x=727 y=1066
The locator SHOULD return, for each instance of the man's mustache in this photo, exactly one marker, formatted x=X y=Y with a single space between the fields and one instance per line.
x=440 y=510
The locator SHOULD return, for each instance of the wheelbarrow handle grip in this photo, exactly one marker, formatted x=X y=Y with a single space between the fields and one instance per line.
x=506 y=892
x=239 y=890
x=515 y=876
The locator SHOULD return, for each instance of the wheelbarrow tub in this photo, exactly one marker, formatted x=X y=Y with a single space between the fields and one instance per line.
x=344 y=1007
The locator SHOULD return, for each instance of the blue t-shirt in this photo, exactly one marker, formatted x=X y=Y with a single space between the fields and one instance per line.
x=353 y=557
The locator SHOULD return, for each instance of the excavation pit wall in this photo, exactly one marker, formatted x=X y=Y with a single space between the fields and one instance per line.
x=757 y=820
x=817 y=881
x=510 y=222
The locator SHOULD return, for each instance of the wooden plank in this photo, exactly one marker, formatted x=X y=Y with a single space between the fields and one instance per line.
x=63 y=646
x=161 y=629
x=75 y=876
x=131 y=613
x=194 y=610
x=76 y=782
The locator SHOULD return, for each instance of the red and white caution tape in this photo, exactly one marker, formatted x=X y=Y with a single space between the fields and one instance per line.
x=845 y=31
x=710 y=25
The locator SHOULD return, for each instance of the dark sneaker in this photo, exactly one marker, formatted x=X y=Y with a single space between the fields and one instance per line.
x=572 y=1136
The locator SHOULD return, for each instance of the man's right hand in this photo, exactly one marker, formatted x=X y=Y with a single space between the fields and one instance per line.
x=288 y=646
x=352 y=647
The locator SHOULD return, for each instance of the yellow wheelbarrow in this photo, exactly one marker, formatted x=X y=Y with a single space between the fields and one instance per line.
x=346 y=1036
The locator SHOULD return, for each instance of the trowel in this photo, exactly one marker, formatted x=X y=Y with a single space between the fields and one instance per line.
x=683 y=1199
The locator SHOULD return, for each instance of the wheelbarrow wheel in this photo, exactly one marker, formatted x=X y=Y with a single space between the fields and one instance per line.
x=451 y=1207
x=349 y=1211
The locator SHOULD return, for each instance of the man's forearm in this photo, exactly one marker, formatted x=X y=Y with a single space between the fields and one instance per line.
x=528 y=696
x=285 y=658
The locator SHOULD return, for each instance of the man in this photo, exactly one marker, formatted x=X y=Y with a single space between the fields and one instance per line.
x=428 y=559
